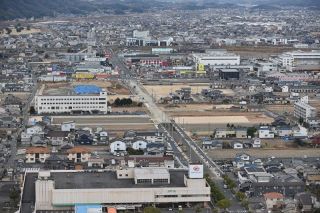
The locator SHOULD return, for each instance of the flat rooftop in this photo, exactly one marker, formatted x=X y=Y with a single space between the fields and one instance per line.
x=108 y=179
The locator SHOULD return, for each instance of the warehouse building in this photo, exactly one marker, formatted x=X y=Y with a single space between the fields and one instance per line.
x=227 y=74
x=216 y=58
x=82 y=98
x=136 y=187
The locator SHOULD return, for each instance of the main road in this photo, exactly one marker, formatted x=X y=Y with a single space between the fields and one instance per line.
x=175 y=133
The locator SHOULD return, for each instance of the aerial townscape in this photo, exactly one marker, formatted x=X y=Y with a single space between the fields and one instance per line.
x=159 y=106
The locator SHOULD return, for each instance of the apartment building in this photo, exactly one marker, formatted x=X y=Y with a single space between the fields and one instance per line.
x=304 y=111
x=71 y=103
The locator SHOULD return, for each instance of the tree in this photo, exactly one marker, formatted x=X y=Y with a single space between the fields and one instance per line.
x=299 y=142
x=198 y=208
x=32 y=110
x=8 y=30
x=240 y=196
x=224 y=203
x=14 y=196
x=251 y=131
x=301 y=121
x=151 y=209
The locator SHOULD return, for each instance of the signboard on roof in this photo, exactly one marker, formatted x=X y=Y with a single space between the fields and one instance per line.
x=195 y=171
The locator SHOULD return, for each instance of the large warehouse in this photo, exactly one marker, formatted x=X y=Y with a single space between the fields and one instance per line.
x=81 y=98
x=216 y=58
x=63 y=190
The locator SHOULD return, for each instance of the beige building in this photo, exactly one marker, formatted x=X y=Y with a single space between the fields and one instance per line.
x=37 y=154
x=79 y=154
x=135 y=187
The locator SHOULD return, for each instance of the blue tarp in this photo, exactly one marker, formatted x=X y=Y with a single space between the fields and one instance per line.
x=87 y=89
x=81 y=208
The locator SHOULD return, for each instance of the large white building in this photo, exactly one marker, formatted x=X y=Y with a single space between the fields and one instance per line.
x=300 y=58
x=216 y=58
x=304 y=111
x=126 y=187
x=70 y=103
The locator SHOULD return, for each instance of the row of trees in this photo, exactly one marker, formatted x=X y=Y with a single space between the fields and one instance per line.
x=217 y=196
x=126 y=102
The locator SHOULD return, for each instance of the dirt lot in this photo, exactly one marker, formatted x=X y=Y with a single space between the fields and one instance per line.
x=280 y=109
x=163 y=90
x=264 y=153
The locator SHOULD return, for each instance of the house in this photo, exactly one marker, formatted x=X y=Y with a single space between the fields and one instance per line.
x=273 y=200
x=84 y=139
x=37 y=154
x=149 y=136
x=313 y=179
x=241 y=160
x=304 y=202
x=155 y=148
x=224 y=133
x=265 y=132
x=241 y=132
x=79 y=154
x=54 y=162
x=57 y=137
x=29 y=132
x=68 y=126
x=256 y=143
x=300 y=131
x=118 y=146
x=283 y=131
x=237 y=145
x=95 y=162
x=103 y=136
x=139 y=145
x=211 y=144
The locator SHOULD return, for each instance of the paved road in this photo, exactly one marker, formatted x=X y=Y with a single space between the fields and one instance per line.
x=176 y=133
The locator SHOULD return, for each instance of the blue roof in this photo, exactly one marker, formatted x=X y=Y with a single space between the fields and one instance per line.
x=87 y=89
x=81 y=208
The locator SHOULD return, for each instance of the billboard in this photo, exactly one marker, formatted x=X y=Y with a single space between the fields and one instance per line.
x=195 y=171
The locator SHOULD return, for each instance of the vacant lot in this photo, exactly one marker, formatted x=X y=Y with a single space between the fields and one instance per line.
x=159 y=91
x=263 y=153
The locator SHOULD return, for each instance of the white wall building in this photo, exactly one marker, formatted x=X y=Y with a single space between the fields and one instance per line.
x=37 y=154
x=55 y=191
x=216 y=58
x=265 y=132
x=68 y=126
x=298 y=58
x=70 y=103
x=117 y=146
x=304 y=111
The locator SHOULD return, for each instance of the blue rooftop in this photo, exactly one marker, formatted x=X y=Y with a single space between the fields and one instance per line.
x=87 y=89
x=80 y=208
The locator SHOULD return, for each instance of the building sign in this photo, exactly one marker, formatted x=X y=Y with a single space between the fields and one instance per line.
x=195 y=171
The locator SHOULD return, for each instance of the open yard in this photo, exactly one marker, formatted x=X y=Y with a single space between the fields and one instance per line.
x=159 y=91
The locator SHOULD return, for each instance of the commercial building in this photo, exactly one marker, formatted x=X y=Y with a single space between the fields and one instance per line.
x=300 y=58
x=216 y=58
x=227 y=74
x=71 y=101
x=134 y=187
x=304 y=111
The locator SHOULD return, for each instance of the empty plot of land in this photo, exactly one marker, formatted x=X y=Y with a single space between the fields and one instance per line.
x=212 y=119
x=263 y=153
x=164 y=90
x=110 y=122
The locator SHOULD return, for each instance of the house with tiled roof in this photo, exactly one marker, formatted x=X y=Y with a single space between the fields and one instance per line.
x=79 y=154
x=37 y=154
x=273 y=200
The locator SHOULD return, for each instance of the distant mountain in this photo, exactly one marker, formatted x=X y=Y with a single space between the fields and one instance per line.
x=12 y=9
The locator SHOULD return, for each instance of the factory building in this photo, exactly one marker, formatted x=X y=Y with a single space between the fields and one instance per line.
x=300 y=58
x=133 y=186
x=216 y=58
x=227 y=74
x=80 y=99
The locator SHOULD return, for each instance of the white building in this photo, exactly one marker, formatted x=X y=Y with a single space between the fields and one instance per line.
x=117 y=146
x=304 y=111
x=139 y=145
x=135 y=187
x=216 y=58
x=70 y=103
x=68 y=126
x=300 y=58
x=265 y=132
